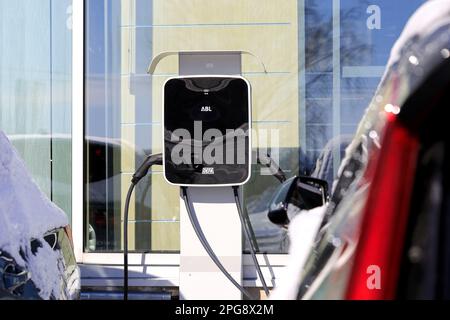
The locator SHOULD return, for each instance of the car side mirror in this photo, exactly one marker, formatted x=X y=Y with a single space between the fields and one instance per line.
x=304 y=193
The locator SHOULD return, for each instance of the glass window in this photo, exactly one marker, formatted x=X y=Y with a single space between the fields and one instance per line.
x=35 y=90
x=324 y=60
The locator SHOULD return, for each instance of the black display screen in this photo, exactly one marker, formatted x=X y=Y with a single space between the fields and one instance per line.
x=206 y=131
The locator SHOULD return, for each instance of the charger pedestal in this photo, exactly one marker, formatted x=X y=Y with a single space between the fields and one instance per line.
x=215 y=208
x=217 y=214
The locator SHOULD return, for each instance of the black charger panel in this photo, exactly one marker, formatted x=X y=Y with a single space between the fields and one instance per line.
x=206 y=130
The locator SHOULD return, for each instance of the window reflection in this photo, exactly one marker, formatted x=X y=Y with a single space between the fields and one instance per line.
x=325 y=59
x=36 y=90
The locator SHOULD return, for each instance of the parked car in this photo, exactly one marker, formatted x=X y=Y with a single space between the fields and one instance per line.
x=17 y=282
x=385 y=234
x=36 y=251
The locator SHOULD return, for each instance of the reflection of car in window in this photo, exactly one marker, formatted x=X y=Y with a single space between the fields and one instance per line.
x=103 y=179
x=324 y=168
x=102 y=184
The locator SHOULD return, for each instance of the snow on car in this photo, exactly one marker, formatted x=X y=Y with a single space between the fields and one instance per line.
x=36 y=254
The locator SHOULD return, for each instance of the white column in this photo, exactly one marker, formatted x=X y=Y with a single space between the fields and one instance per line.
x=336 y=79
x=77 y=126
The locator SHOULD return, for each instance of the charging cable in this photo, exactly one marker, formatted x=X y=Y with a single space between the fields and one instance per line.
x=157 y=159
x=140 y=173
x=246 y=226
x=201 y=237
x=274 y=168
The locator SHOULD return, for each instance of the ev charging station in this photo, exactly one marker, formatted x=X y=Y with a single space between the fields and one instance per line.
x=207 y=116
x=215 y=208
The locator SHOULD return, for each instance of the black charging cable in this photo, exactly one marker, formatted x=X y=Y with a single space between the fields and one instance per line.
x=277 y=172
x=157 y=159
x=201 y=237
x=141 y=172
x=274 y=168
x=246 y=225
